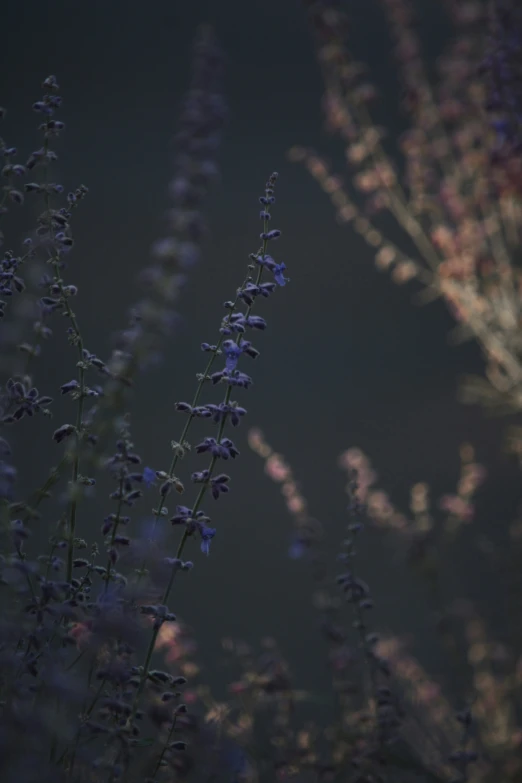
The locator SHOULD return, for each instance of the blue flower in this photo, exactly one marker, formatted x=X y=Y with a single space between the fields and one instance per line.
x=232 y=352
x=207 y=534
x=278 y=274
x=274 y=234
x=149 y=477
x=297 y=549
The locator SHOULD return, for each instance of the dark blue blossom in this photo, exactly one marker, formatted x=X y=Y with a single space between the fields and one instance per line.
x=69 y=386
x=149 y=476
x=276 y=269
x=200 y=476
x=219 y=412
x=251 y=291
x=274 y=234
x=219 y=485
x=278 y=274
x=63 y=432
x=224 y=449
x=19 y=400
x=234 y=378
x=198 y=410
x=207 y=534
x=232 y=352
x=182 y=516
x=255 y=322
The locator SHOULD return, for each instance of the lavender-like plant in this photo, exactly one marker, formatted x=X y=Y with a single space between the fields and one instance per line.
x=75 y=703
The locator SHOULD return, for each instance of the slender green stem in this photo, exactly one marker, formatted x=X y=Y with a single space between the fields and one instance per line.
x=165 y=748
x=114 y=531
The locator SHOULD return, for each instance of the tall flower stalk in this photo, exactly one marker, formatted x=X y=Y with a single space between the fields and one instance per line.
x=152 y=319
x=230 y=346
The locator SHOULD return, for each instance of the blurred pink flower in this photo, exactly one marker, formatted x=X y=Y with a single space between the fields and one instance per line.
x=458 y=506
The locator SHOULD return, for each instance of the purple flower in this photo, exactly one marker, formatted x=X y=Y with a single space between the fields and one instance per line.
x=297 y=549
x=218 y=412
x=69 y=386
x=276 y=269
x=274 y=234
x=278 y=274
x=63 y=432
x=232 y=351
x=219 y=484
x=207 y=534
x=225 y=449
x=149 y=477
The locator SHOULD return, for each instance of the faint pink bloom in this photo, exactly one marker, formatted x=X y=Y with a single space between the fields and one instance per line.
x=353 y=458
x=289 y=488
x=296 y=504
x=167 y=635
x=296 y=154
x=428 y=692
x=473 y=477
x=458 y=506
x=332 y=184
x=385 y=257
x=190 y=696
x=404 y=271
x=317 y=167
x=459 y=267
x=347 y=213
x=276 y=468
x=443 y=237
x=367 y=181
x=376 y=202
x=385 y=174
x=255 y=439
x=81 y=633
x=356 y=153
x=238 y=687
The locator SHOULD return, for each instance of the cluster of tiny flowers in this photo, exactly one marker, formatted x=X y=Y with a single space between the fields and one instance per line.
x=231 y=346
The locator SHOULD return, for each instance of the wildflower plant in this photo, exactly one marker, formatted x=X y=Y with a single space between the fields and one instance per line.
x=80 y=697
x=457 y=198
x=99 y=678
